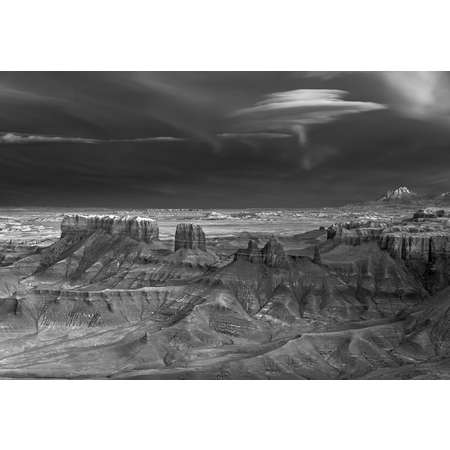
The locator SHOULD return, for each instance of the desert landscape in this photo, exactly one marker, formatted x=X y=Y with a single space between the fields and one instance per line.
x=224 y=225
x=360 y=291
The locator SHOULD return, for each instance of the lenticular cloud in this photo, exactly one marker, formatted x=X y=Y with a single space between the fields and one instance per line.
x=293 y=111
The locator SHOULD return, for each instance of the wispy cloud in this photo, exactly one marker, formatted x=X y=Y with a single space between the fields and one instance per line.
x=21 y=138
x=15 y=138
x=292 y=112
x=8 y=92
x=420 y=95
x=260 y=135
x=148 y=139
x=315 y=155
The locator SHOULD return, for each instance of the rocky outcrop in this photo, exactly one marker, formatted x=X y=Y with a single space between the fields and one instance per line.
x=401 y=193
x=272 y=254
x=423 y=246
x=189 y=236
x=138 y=228
x=423 y=242
x=356 y=232
x=251 y=254
x=403 y=240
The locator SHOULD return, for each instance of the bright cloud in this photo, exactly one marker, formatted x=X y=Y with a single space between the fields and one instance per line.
x=291 y=111
x=420 y=95
x=294 y=111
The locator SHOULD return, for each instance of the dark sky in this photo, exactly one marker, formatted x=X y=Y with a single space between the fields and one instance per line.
x=220 y=139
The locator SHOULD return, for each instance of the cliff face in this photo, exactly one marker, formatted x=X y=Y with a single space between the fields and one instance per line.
x=404 y=240
x=423 y=242
x=424 y=246
x=356 y=232
x=189 y=236
x=138 y=228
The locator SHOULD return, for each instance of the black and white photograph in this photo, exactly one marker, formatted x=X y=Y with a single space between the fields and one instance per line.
x=225 y=225
x=200 y=226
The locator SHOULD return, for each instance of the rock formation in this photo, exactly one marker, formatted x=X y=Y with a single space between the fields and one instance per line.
x=356 y=232
x=189 y=236
x=117 y=307
x=399 y=194
x=138 y=228
x=272 y=254
x=403 y=240
x=423 y=246
x=423 y=242
x=251 y=254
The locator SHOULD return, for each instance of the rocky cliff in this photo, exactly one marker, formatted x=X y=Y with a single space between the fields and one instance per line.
x=138 y=228
x=356 y=232
x=426 y=233
x=424 y=246
x=423 y=242
x=189 y=236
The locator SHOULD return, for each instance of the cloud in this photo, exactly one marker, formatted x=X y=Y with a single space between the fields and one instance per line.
x=284 y=111
x=292 y=112
x=420 y=95
x=315 y=155
x=15 y=138
x=260 y=135
x=148 y=139
x=8 y=92
x=20 y=138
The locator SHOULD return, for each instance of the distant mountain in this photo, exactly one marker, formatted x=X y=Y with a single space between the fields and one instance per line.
x=400 y=194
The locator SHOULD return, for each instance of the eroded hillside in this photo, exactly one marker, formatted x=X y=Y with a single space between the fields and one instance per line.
x=110 y=299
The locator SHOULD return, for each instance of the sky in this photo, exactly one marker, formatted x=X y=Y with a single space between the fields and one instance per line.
x=221 y=139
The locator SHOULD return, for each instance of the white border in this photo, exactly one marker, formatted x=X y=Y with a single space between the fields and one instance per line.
x=223 y=415
x=231 y=35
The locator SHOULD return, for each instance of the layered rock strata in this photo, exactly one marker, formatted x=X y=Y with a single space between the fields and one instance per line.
x=189 y=236
x=404 y=241
x=424 y=246
x=138 y=228
x=356 y=232
x=423 y=242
